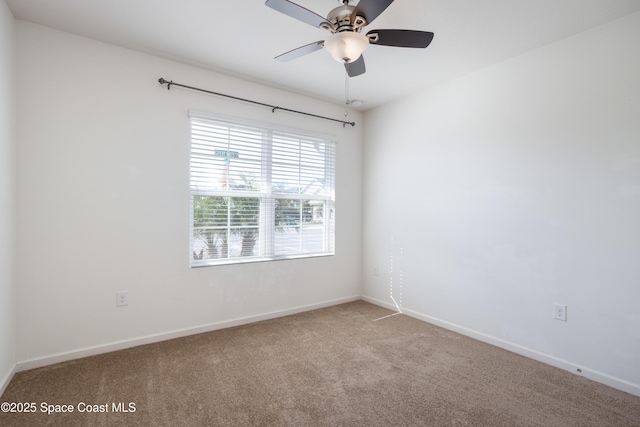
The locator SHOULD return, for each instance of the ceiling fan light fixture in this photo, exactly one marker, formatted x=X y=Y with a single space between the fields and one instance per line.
x=346 y=46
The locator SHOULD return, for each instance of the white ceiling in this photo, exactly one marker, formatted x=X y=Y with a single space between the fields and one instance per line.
x=242 y=37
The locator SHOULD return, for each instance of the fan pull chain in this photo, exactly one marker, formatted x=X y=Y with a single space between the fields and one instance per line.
x=346 y=91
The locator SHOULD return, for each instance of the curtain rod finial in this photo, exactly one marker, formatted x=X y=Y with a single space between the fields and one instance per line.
x=162 y=81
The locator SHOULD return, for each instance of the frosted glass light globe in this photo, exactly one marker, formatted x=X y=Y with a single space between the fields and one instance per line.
x=347 y=46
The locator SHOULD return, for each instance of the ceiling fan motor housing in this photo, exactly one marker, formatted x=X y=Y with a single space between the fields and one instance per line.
x=340 y=17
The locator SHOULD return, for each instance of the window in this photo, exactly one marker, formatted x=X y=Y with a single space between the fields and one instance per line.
x=259 y=192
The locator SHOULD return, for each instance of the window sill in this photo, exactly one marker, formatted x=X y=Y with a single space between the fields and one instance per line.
x=235 y=261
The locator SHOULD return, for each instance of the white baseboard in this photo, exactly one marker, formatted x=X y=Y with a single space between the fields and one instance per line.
x=149 y=339
x=516 y=348
x=384 y=304
x=4 y=382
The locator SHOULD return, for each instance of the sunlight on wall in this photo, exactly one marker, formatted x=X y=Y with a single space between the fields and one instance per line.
x=398 y=292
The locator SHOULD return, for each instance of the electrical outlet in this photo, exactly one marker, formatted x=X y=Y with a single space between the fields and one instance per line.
x=560 y=312
x=375 y=270
x=122 y=298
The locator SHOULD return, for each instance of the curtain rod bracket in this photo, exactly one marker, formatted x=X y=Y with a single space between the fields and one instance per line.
x=163 y=81
x=273 y=107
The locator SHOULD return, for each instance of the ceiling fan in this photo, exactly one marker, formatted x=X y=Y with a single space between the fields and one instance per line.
x=346 y=42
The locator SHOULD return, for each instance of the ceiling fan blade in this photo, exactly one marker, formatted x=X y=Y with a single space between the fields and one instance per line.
x=370 y=9
x=300 y=51
x=298 y=12
x=400 y=38
x=356 y=67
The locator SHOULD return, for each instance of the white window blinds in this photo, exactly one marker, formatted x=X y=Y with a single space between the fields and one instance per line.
x=258 y=192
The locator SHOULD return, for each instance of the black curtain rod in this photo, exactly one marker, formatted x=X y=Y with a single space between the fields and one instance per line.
x=273 y=107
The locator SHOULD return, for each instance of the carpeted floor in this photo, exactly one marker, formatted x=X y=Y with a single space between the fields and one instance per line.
x=346 y=365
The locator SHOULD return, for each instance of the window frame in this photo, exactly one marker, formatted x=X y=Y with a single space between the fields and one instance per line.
x=268 y=229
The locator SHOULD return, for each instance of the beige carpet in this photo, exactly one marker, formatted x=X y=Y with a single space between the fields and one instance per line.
x=337 y=366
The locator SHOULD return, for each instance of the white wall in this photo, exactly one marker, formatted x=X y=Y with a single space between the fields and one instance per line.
x=7 y=194
x=501 y=193
x=103 y=161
